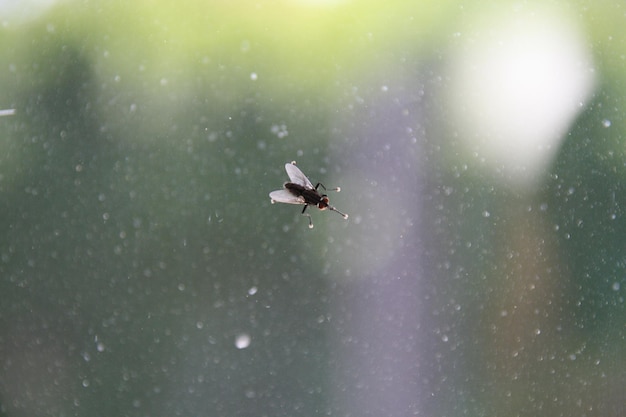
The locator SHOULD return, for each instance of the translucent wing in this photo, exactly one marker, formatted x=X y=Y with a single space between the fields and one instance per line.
x=284 y=196
x=296 y=176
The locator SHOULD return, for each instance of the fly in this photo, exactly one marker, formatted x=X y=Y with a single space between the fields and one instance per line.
x=301 y=191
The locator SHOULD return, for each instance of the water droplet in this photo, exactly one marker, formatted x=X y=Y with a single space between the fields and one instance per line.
x=242 y=341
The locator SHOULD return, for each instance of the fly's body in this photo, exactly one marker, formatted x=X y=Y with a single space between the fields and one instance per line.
x=301 y=191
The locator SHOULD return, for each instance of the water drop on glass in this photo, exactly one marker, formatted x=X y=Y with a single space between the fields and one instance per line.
x=242 y=341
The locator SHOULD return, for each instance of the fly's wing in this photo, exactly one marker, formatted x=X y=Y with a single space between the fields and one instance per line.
x=284 y=196
x=296 y=176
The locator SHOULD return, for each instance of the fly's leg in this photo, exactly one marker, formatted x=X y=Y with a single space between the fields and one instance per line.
x=308 y=215
x=319 y=184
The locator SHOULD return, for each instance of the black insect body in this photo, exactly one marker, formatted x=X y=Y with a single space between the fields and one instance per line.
x=301 y=191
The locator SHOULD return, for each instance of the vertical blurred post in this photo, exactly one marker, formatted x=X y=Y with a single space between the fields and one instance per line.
x=378 y=309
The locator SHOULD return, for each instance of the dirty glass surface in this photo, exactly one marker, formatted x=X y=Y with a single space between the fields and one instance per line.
x=481 y=159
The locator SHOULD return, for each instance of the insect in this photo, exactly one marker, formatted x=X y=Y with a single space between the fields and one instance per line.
x=301 y=191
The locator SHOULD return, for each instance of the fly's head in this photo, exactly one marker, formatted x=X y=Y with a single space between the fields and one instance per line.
x=323 y=203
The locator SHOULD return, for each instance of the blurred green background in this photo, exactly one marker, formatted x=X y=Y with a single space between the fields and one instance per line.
x=143 y=270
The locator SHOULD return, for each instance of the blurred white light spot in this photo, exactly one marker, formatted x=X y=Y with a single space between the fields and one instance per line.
x=606 y=123
x=242 y=341
x=252 y=290
x=616 y=286
x=254 y=76
x=518 y=80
